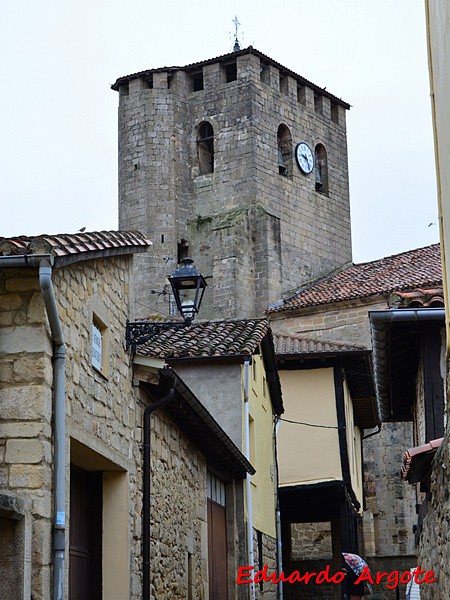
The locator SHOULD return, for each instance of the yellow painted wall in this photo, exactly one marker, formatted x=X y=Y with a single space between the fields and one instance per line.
x=308 y=454
x=354 y=447
x=261 y=449
x=116 y=553
x=438 y=33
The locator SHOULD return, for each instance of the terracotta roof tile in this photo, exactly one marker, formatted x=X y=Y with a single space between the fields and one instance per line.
x=297 y=344
x=206 y=339
x=418 y=298
x=417 y=460
x=409 y=270
x=63 y=245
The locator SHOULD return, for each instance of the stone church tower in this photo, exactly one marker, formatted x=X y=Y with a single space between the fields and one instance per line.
x=210 y=167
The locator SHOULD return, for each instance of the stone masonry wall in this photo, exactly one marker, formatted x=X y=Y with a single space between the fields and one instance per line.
x=26 y=415
x=311 y=541
x=179 y=535
x=433 y=547
x=101 y=409
x=340 y=321
x=390 y=500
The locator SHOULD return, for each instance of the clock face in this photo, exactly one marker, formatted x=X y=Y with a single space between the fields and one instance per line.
x=304 y=158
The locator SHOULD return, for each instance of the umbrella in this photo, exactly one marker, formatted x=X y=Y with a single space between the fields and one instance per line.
x=357 y=564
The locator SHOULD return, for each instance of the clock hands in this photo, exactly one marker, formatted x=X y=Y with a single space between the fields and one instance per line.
x=304 y=156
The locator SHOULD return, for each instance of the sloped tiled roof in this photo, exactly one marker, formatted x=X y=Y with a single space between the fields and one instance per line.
x=206 y=339
x=356 y=363
x=225 y=57
x=409 y=270
x=417 y=461
x=75 y=245
x=286 y=343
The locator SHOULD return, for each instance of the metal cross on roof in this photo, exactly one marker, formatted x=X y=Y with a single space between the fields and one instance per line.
x=236 y=47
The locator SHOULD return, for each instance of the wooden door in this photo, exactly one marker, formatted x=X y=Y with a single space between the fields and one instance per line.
x=85 y=549
x=217 y=552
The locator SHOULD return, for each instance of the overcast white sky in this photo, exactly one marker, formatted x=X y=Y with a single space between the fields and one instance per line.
x=58 y=139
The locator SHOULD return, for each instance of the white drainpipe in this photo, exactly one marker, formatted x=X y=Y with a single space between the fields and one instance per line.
x=251 y=551
x=278 y=514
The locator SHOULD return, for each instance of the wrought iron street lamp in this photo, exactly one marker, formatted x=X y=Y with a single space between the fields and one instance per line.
x=188 y=286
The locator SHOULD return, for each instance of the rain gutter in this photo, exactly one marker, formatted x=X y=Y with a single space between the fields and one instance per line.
x=380 y=322
x=248 y=487
x=45 y=264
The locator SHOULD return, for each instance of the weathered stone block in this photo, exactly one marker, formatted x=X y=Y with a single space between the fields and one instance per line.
x=30 y=403
x=36 y=309
x=22 y=284
x=29 y=476
x=24 y=339
x=30 y=368
x=6 y=370
x=10 y=302
x=21 y=430
x=24 y=451
x=42 y=504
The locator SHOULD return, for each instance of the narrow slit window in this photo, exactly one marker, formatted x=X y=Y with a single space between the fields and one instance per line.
x=205 y=148
x=335 y=112
x=284 y=141
x=301 y=94
x=182 y=250
x=231 y=72
x=264 y=73
x=318 y=103
x=197 y=81
x=321 y=169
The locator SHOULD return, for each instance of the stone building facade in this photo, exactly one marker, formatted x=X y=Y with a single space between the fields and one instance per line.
x=196 y=520
x=433 y=549
x=337 y=309
x=71 y=486
x=101 y=428
x=409 y=365
x=231 y=366
x=207 y=166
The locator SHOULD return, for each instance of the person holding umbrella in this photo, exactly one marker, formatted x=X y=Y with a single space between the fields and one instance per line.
x=353 y=590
